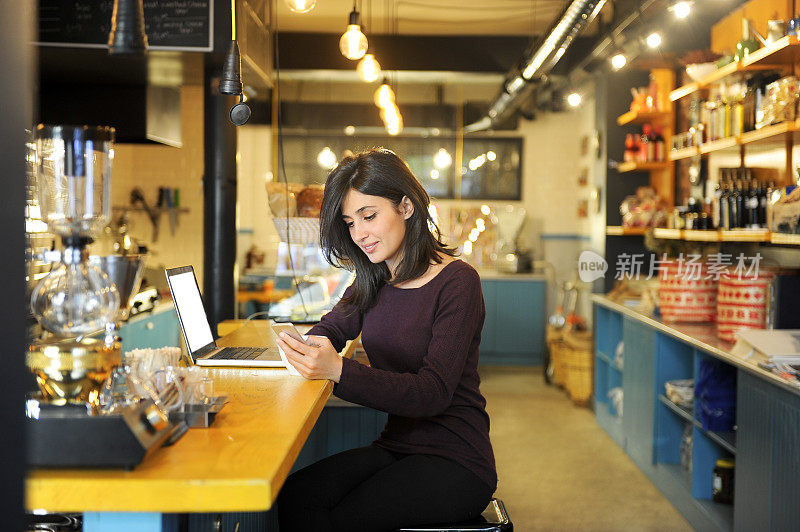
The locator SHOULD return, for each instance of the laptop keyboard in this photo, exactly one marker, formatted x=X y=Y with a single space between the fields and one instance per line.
x=238 y=353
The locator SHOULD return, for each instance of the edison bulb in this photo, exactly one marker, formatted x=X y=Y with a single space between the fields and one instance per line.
x=654 y=40
x=301 y=6
x=618 y=61
x=384 y=96
x=574 y=99
x=353 y=43
x=392 y=119
x=326 y=158
x=442 y=159
x=682 y=9
x=368 y=68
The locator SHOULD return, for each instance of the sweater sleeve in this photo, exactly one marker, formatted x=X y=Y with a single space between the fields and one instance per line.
x=341 y=324
x=429 y=391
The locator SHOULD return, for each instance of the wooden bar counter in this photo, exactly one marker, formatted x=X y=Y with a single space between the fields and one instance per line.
x=237 y=464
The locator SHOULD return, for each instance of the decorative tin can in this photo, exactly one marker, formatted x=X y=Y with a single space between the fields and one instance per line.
x=687 y=293
x=742 y=303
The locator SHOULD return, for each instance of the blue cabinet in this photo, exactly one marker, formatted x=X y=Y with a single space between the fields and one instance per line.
x=513 y=332
x=668 y=442
x=151 y=330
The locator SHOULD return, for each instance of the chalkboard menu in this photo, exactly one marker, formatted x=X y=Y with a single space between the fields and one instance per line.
x=170 y=24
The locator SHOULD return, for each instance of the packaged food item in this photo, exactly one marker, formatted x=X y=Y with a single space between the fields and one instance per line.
x=780 y=102
x=645 y=209
x=680 y=392
x=282 y=199
x=742 y=303
x=309 y=201
x=686 y=294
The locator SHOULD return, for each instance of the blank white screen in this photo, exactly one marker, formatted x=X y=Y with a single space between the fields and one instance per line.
x=190 y=308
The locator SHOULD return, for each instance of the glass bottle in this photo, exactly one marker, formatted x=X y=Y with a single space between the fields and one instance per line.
x=725 y=206
x=748 y=44
x=737 y=206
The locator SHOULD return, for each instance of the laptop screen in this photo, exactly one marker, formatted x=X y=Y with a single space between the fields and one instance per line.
x=189 y=304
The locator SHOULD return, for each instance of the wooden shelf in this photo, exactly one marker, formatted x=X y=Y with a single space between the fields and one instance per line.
x=672 y=234
x=745 y=235
x=717 y=145
x=768 y=132
x=784 y=52
x=617 y=230
x=642 y=167
x=635 y=117
x=741 y=235
x=785 y=239
x=684 y=153
x=759 y=135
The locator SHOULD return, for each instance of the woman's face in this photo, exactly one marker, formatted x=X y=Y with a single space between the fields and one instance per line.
x=377 y=226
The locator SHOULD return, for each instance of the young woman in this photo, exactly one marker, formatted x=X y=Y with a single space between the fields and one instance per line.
x=420 y=313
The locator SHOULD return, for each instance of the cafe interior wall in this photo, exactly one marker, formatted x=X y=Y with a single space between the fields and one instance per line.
x=558 y=148
x=150 y=166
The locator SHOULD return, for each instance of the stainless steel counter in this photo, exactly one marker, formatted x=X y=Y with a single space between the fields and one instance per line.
x=701 y=336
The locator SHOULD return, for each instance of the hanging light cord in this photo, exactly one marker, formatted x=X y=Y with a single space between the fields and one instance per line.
x=233 y=20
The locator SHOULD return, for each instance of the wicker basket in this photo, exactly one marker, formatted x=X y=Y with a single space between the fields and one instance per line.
x=300 y=230
x=579 y=364
x=553 y=339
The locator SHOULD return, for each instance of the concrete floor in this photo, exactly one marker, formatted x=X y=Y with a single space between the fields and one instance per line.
x=558 y=469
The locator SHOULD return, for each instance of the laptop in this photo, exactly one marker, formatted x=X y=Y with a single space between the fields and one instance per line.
x=197 y=332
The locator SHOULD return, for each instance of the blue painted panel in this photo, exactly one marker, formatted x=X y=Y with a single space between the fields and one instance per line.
x=602 y=336
x=601 y=369
x=638 y=422
x=490 y=322
x=513 y=332
x=338 y=429
x=785 y=463
x=674 y=360
x=122 y=522
x=705 y=455
x=151 y=331
x=753 y=454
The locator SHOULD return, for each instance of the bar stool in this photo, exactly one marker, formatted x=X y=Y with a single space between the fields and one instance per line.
x=493 y=519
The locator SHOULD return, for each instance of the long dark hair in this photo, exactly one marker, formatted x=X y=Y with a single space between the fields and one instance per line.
x=378 y=172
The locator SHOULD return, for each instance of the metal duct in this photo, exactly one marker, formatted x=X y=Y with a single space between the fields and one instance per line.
x=537 y=64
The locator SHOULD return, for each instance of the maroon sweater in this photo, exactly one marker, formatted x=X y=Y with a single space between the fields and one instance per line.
x=422 y=345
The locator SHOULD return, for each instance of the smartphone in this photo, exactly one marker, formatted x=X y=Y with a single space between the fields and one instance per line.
x=289 y=329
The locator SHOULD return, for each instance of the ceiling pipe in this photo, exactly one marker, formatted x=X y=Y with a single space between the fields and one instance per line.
x=539 y=63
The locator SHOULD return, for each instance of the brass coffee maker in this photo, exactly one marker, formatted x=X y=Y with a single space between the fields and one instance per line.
x=78 y=305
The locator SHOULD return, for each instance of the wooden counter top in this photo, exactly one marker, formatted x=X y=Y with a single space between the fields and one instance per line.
x=237 y=464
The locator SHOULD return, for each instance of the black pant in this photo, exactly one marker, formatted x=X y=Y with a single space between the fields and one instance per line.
x=372 y=489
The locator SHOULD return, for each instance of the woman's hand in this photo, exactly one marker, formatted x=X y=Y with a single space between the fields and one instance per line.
x=316 y=361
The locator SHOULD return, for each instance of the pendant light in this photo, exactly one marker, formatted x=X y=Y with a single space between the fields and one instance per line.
x=353 y=43
x=392 y=119
x=301 y=6
x=618 y=60
x=681 y=9
x=384 y=96
x=369 y=69
x=127 y=35
x=230 y=81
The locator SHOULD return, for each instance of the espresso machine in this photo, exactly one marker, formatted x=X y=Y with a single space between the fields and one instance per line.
x=78 y=305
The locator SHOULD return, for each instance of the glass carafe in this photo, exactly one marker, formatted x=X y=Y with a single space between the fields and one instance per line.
x=73 y=174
